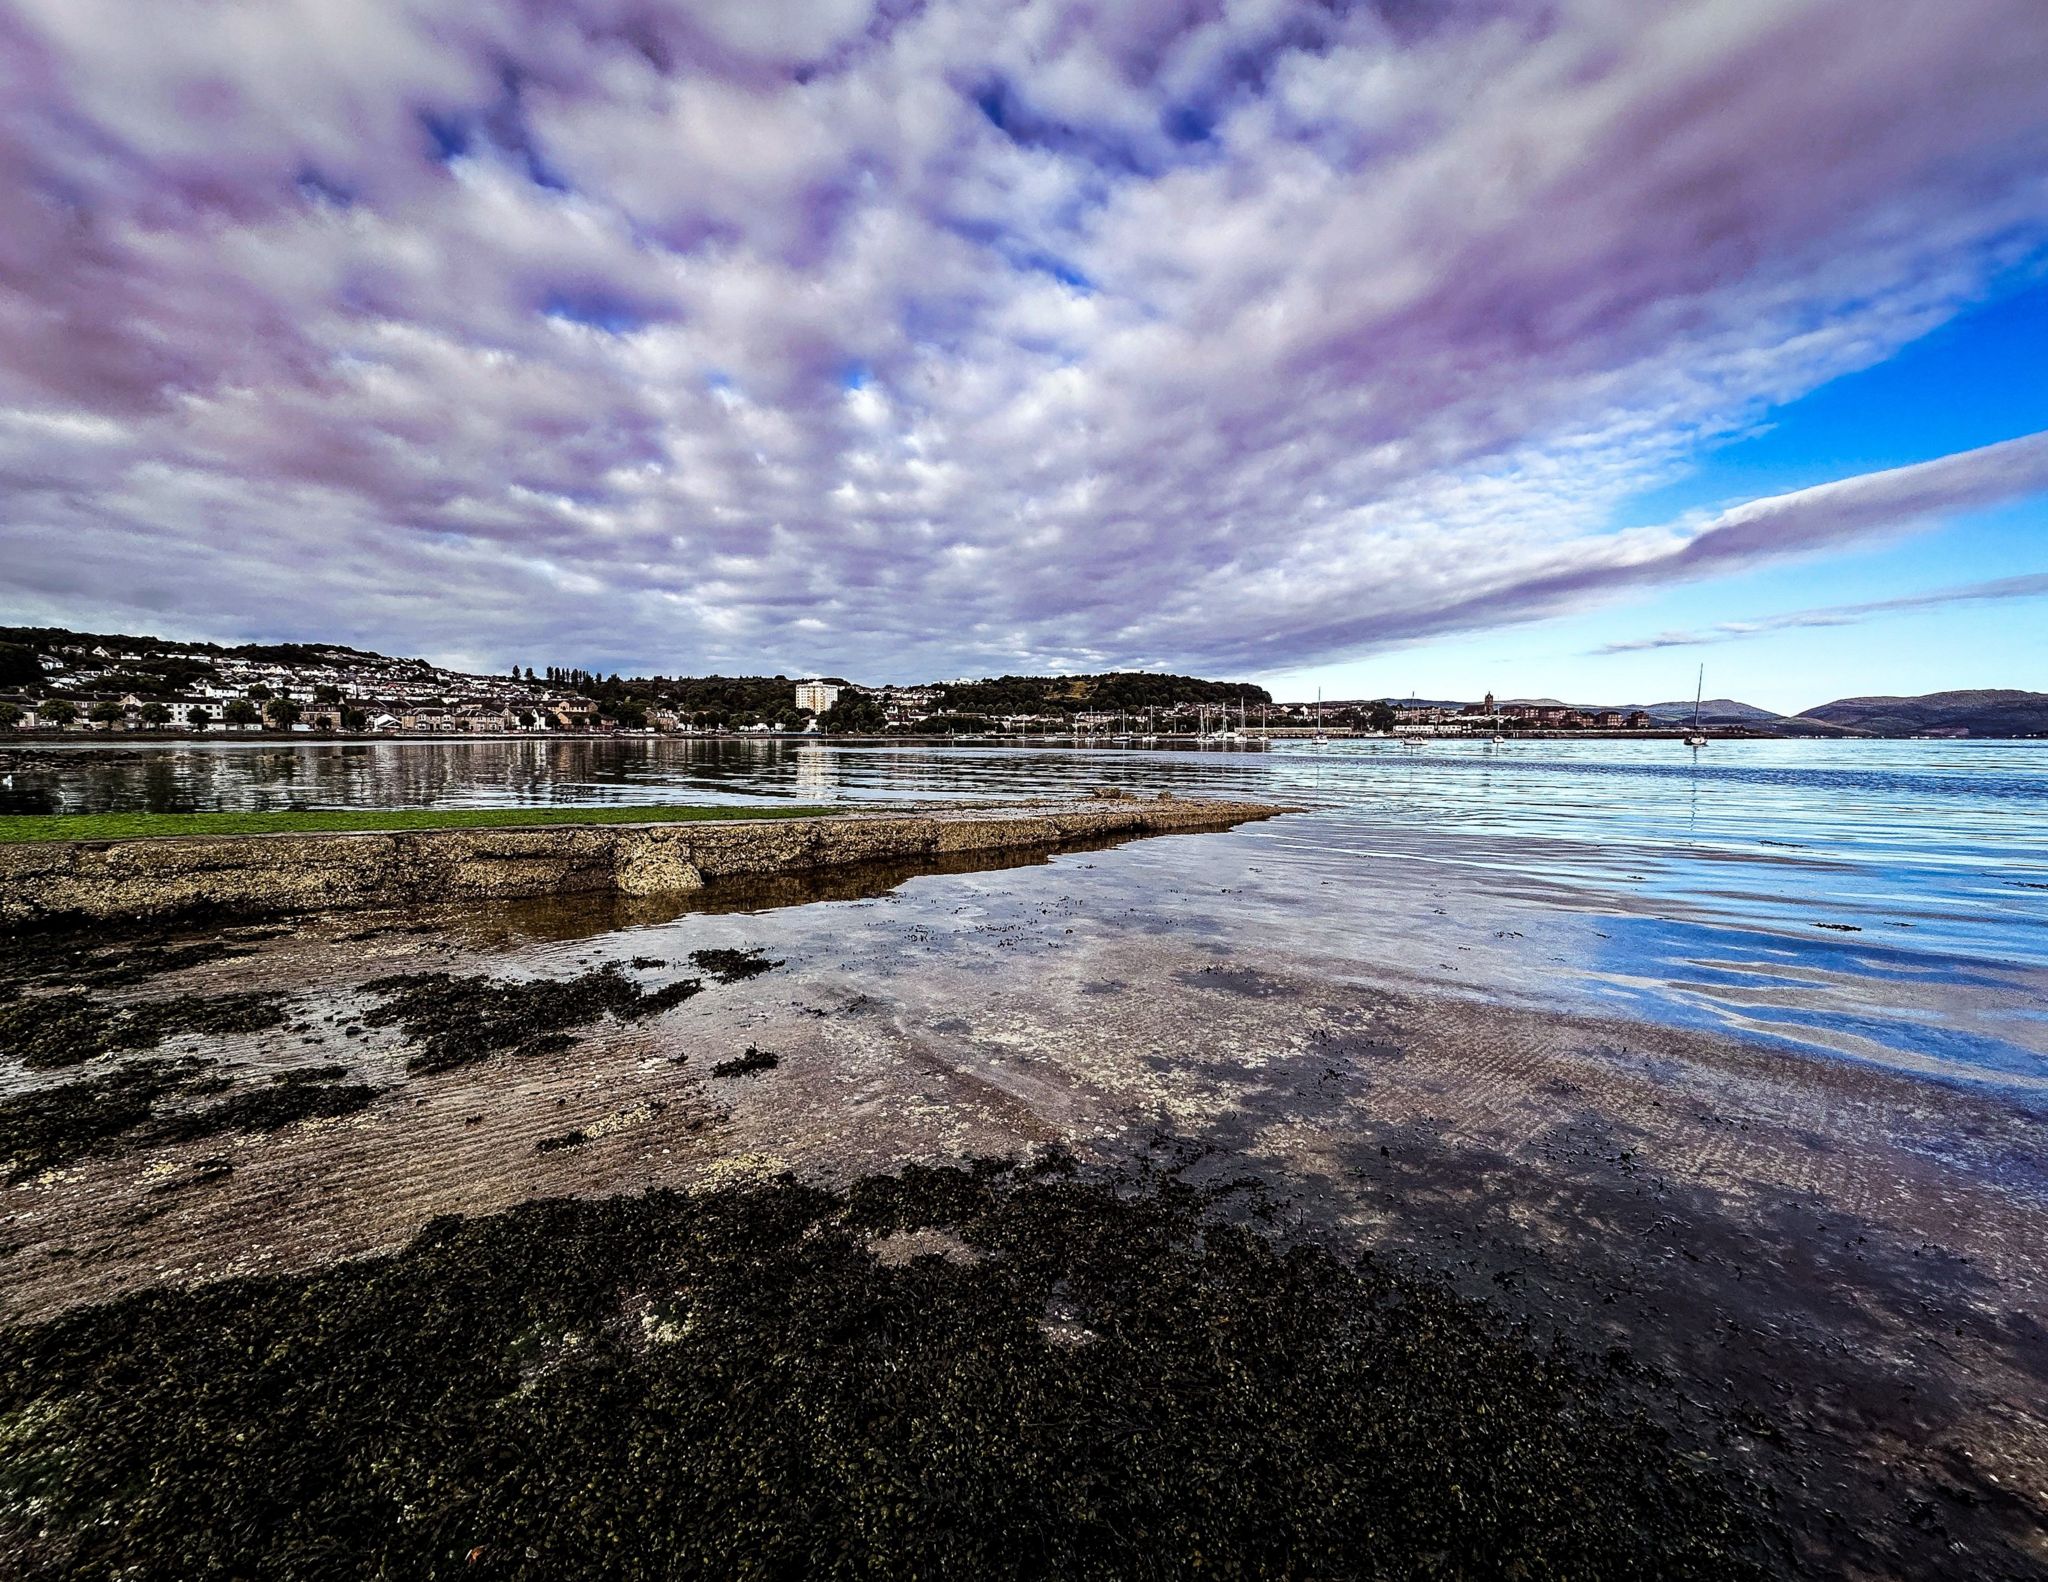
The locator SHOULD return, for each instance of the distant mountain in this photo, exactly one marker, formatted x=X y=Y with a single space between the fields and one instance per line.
x=1725 y=711
x=1985 y=712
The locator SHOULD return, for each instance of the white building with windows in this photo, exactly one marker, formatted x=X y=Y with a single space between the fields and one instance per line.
x=817 y=696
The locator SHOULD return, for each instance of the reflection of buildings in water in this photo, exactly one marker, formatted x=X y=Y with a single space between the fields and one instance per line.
x=813 y=770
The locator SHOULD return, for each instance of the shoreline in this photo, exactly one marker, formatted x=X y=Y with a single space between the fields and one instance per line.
x=1813 y=1271
x=258 y=875
x=1806 y=1270
x=1090 y=742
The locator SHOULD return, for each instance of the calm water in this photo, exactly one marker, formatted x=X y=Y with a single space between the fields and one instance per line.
x=1886 y=901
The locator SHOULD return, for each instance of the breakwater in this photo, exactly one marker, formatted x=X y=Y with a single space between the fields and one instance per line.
x=259 y=875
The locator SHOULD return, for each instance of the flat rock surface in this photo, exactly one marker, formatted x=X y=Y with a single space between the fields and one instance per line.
x=253 y=875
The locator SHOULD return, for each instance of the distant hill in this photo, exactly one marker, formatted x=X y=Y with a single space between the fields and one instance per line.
x=1125 y=691
x=1719 y=711
x=1984 y=712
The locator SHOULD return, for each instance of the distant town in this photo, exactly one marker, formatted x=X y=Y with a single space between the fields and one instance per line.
x=54 y=681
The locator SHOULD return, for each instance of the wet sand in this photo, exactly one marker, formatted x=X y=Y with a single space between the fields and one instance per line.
x=1838 y=1269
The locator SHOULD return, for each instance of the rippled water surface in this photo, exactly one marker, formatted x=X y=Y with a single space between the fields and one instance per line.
x=1887 y=901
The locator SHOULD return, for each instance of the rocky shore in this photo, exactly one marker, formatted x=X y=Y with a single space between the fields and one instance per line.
x=1044 y=1210
x=269 y=875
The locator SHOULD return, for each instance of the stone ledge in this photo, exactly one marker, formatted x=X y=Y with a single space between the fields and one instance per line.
x=265 y=875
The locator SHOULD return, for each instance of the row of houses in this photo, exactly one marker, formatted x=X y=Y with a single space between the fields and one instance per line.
x=223 y=678
x=144 y=712
x=1488 y=716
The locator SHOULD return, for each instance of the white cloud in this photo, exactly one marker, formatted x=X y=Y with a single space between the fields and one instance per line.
x=980 y=334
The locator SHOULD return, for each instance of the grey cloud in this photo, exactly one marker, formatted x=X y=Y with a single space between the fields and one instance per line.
x=904 y=339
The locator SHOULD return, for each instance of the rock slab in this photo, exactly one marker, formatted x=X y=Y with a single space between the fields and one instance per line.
x=266 y=875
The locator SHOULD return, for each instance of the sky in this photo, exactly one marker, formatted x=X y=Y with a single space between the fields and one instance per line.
x=1547 y=347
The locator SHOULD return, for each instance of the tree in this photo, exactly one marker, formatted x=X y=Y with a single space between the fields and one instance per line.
x=10 y=716
x=259 y=693
x=241 y=712
x=354 y=721
x=855 y=714
x=108 y=714
x=19 y=666
x=283 y=713
x=1381 y=717
x=197 y=719
x=326 y=692
x=154 y=715
x=59 y=713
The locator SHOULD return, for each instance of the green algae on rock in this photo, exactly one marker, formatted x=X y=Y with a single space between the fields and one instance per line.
x=1106 y=1380
x=46 y=827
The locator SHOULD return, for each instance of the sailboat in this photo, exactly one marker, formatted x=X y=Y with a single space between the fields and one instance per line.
x=1320 y=735
x=1699 y=691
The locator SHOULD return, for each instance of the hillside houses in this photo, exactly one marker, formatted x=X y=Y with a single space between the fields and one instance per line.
x=313 y=690
x=78 y=683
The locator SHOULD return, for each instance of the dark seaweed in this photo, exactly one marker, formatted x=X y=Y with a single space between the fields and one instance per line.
x=546 y=1044
x=108 y=957
x=47 y=1127
x=753 y=1060
x=305 y=1074
x=732 y=966
x=460 y=1021
x=549 y=1145
x=1107 y=1383
x=56 y=1030
x=45 y=1032
x=269 y=1109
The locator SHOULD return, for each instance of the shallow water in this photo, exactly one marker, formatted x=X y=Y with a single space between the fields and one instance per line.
x=1462 y=1010
x=1884 y=901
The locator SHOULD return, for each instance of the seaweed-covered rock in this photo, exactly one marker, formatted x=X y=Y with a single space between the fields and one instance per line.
x=148 y=1101
x=745 y=1064
x=1108 y=1381
x=45 y=1032
x=732 y=966
x=110 y=955
x=47 y=1127
x=460 y=1021
x=271 y=1108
